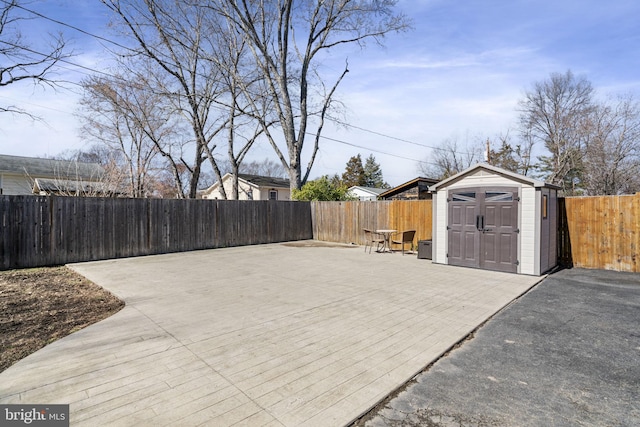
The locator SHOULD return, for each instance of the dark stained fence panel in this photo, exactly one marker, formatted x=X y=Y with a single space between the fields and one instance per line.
x=39 y=231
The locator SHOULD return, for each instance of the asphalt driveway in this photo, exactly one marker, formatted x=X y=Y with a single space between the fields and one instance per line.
x=565 y=354
x=274 y=335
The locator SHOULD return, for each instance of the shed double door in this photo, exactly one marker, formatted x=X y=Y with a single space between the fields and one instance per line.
x=483 y=228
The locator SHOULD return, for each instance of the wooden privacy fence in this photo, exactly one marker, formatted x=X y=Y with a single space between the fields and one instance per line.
x=39 y=231
x=594 y=232
x=600 y=232
x=344 y=221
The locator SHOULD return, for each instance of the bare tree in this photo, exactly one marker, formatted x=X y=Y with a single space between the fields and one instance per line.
x=266 y=167
x=201 y=67
x=238 y=78
x=552 y=113
x=451 y=158
x=133 y=121
x=110 y=174
x=510 y=155
x=175 y=37
x=76 y=173
x=288 y=39
x=611 y=155
x=18 y=61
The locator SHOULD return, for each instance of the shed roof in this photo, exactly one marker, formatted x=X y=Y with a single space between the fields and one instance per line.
x=494 y=169
x=54 y=186
x=409 y=184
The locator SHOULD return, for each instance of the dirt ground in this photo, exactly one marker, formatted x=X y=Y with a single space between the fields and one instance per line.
x=41 y=305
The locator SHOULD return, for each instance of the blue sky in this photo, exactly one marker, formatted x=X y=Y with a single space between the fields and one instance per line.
x=457 y=75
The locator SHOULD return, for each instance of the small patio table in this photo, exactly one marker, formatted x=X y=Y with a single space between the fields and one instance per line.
x=386 y=233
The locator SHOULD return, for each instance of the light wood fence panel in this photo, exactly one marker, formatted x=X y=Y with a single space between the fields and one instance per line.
x=600 y=232
x=344 y=221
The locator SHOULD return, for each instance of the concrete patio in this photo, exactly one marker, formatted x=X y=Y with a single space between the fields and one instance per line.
x=298 y=334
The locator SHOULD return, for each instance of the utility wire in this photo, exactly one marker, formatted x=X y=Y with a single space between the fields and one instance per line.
x=369 y=149
x=67 y=25
x=337 y=121
x=66 y=61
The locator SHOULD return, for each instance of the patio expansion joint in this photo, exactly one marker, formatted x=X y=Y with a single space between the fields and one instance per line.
x=197 y=356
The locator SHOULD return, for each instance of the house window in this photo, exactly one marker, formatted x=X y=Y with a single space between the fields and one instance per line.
x=545 y=206
x=273 y=195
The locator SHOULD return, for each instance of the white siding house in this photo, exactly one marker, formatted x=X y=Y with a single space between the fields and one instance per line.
x=366 y=193
x=251 y=187
x=490 y=218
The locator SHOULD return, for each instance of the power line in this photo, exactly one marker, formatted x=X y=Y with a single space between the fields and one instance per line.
x=378 y=133
x=369 y=149
x=66 y=61
x=132 y=50
x=68 y=25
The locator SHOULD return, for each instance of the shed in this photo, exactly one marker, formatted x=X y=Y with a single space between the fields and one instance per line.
x=490 y=218
x=416 y=189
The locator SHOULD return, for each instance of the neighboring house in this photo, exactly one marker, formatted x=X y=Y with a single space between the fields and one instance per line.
x=31 y=175
x=251 y=187
x=366 y=193
x=416 y=189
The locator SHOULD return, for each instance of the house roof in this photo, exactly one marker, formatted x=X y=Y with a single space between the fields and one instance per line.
x=409 y=184
x=371 y=190
x=494 y=169
x=52 y=186
x=264 y=181
x=49 y=167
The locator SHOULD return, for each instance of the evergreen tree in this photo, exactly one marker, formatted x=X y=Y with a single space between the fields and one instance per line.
x=373 y=174
x=354 y=172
